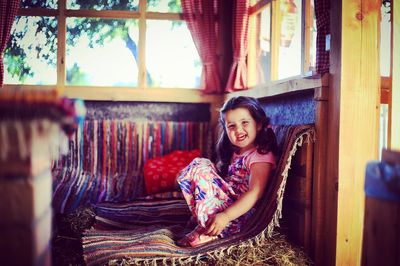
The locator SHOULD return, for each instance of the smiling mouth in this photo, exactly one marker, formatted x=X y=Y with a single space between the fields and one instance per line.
x=241 y=138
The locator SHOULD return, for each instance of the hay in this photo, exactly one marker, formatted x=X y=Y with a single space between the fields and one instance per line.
x=80 y=220
x=277 y=250
x=67 y=232
x=273 y=251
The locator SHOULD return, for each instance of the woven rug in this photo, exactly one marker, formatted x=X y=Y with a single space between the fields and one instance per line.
x=106 y=157
x=142 y=235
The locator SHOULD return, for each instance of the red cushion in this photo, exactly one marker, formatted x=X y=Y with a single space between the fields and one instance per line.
x=160 y=172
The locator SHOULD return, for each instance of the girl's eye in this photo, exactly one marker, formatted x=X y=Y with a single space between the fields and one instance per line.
x=245 y=123
x=231 y=127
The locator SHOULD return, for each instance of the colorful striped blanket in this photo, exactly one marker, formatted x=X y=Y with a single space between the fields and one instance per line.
x=146 y=231
x=106 y=158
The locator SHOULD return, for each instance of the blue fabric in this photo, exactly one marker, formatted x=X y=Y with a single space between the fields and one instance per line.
x=294 y=110
x=150 y=111
x=382 y=181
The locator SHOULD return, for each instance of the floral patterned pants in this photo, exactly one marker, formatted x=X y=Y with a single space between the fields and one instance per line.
x=207 y=194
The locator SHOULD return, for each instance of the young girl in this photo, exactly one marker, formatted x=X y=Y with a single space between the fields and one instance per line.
x=222 y=197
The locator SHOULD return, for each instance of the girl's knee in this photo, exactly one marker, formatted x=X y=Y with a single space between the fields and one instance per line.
x=198 y=169
x=199 y=160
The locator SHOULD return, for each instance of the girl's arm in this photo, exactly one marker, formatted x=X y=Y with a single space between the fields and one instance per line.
x=259 y=176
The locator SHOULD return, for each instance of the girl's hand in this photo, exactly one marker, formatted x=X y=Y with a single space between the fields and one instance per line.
x=217 y=224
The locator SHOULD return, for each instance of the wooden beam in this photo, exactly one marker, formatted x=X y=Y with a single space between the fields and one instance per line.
x=357 y=91
x=61 y=43
x=142 y=79
x=127 y=93
x=118 y=14
x=257 y=8
x=38 y=12
x=276 y=22
x=164 y=16
x=321 y=184
x=394 y=95
x=140 y=95
x=386 y=84
x=308 y=21
x=281 y=87
x=252 y=47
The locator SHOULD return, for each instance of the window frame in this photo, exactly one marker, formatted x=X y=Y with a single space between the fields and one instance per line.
x=307 y=20
x=141 y=92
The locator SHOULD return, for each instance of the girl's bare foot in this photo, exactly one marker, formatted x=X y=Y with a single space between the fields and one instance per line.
x=195 y=238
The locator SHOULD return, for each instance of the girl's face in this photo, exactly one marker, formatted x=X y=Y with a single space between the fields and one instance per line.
x=241 y=128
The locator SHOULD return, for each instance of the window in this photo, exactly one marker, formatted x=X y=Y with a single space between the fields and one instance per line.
x=385 y=50
x=385 y=71
x=259 y=59
x=383 y=127
x=108 y=59
x=290 y=42
x=281 y=40
x=31 y=55
x=96 y=43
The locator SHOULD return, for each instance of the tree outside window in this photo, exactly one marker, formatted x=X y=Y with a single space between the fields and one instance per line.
x=107 y=43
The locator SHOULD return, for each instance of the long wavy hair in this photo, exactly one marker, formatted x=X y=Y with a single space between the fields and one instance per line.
x=265 y=140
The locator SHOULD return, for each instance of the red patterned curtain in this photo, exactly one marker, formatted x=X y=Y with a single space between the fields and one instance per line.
x=238 y=74
x=201 y=18
x=8 y=11
x=323 y=18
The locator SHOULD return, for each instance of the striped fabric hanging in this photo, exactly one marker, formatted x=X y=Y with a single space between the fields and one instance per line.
x=106 y=158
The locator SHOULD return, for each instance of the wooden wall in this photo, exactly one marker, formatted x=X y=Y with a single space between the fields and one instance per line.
x=394 y=105
x=353 y=119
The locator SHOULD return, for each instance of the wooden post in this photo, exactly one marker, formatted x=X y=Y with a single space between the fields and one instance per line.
x=142 y=79
x=276 y=21
x=394 y=96
x=353 y=116
x=322 y=239
x=25 y=191
x=308 y=20
x=252 y=77
x=381 y=238
x=61 y=69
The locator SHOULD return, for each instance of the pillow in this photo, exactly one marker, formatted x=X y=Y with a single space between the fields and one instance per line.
x=160 y=172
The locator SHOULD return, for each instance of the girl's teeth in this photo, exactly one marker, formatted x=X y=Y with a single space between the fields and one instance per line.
x=241 y=138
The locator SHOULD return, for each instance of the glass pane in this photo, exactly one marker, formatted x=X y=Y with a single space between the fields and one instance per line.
x=51 y=4
x=264 y=57
x=102 y=52
x=31 y=53
x=313 y=42
x=103 y=4
x=164 y=6
x=385 y=40
x=171 y=57
x=259 y=47
x=290 y=42
x=383 y=129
